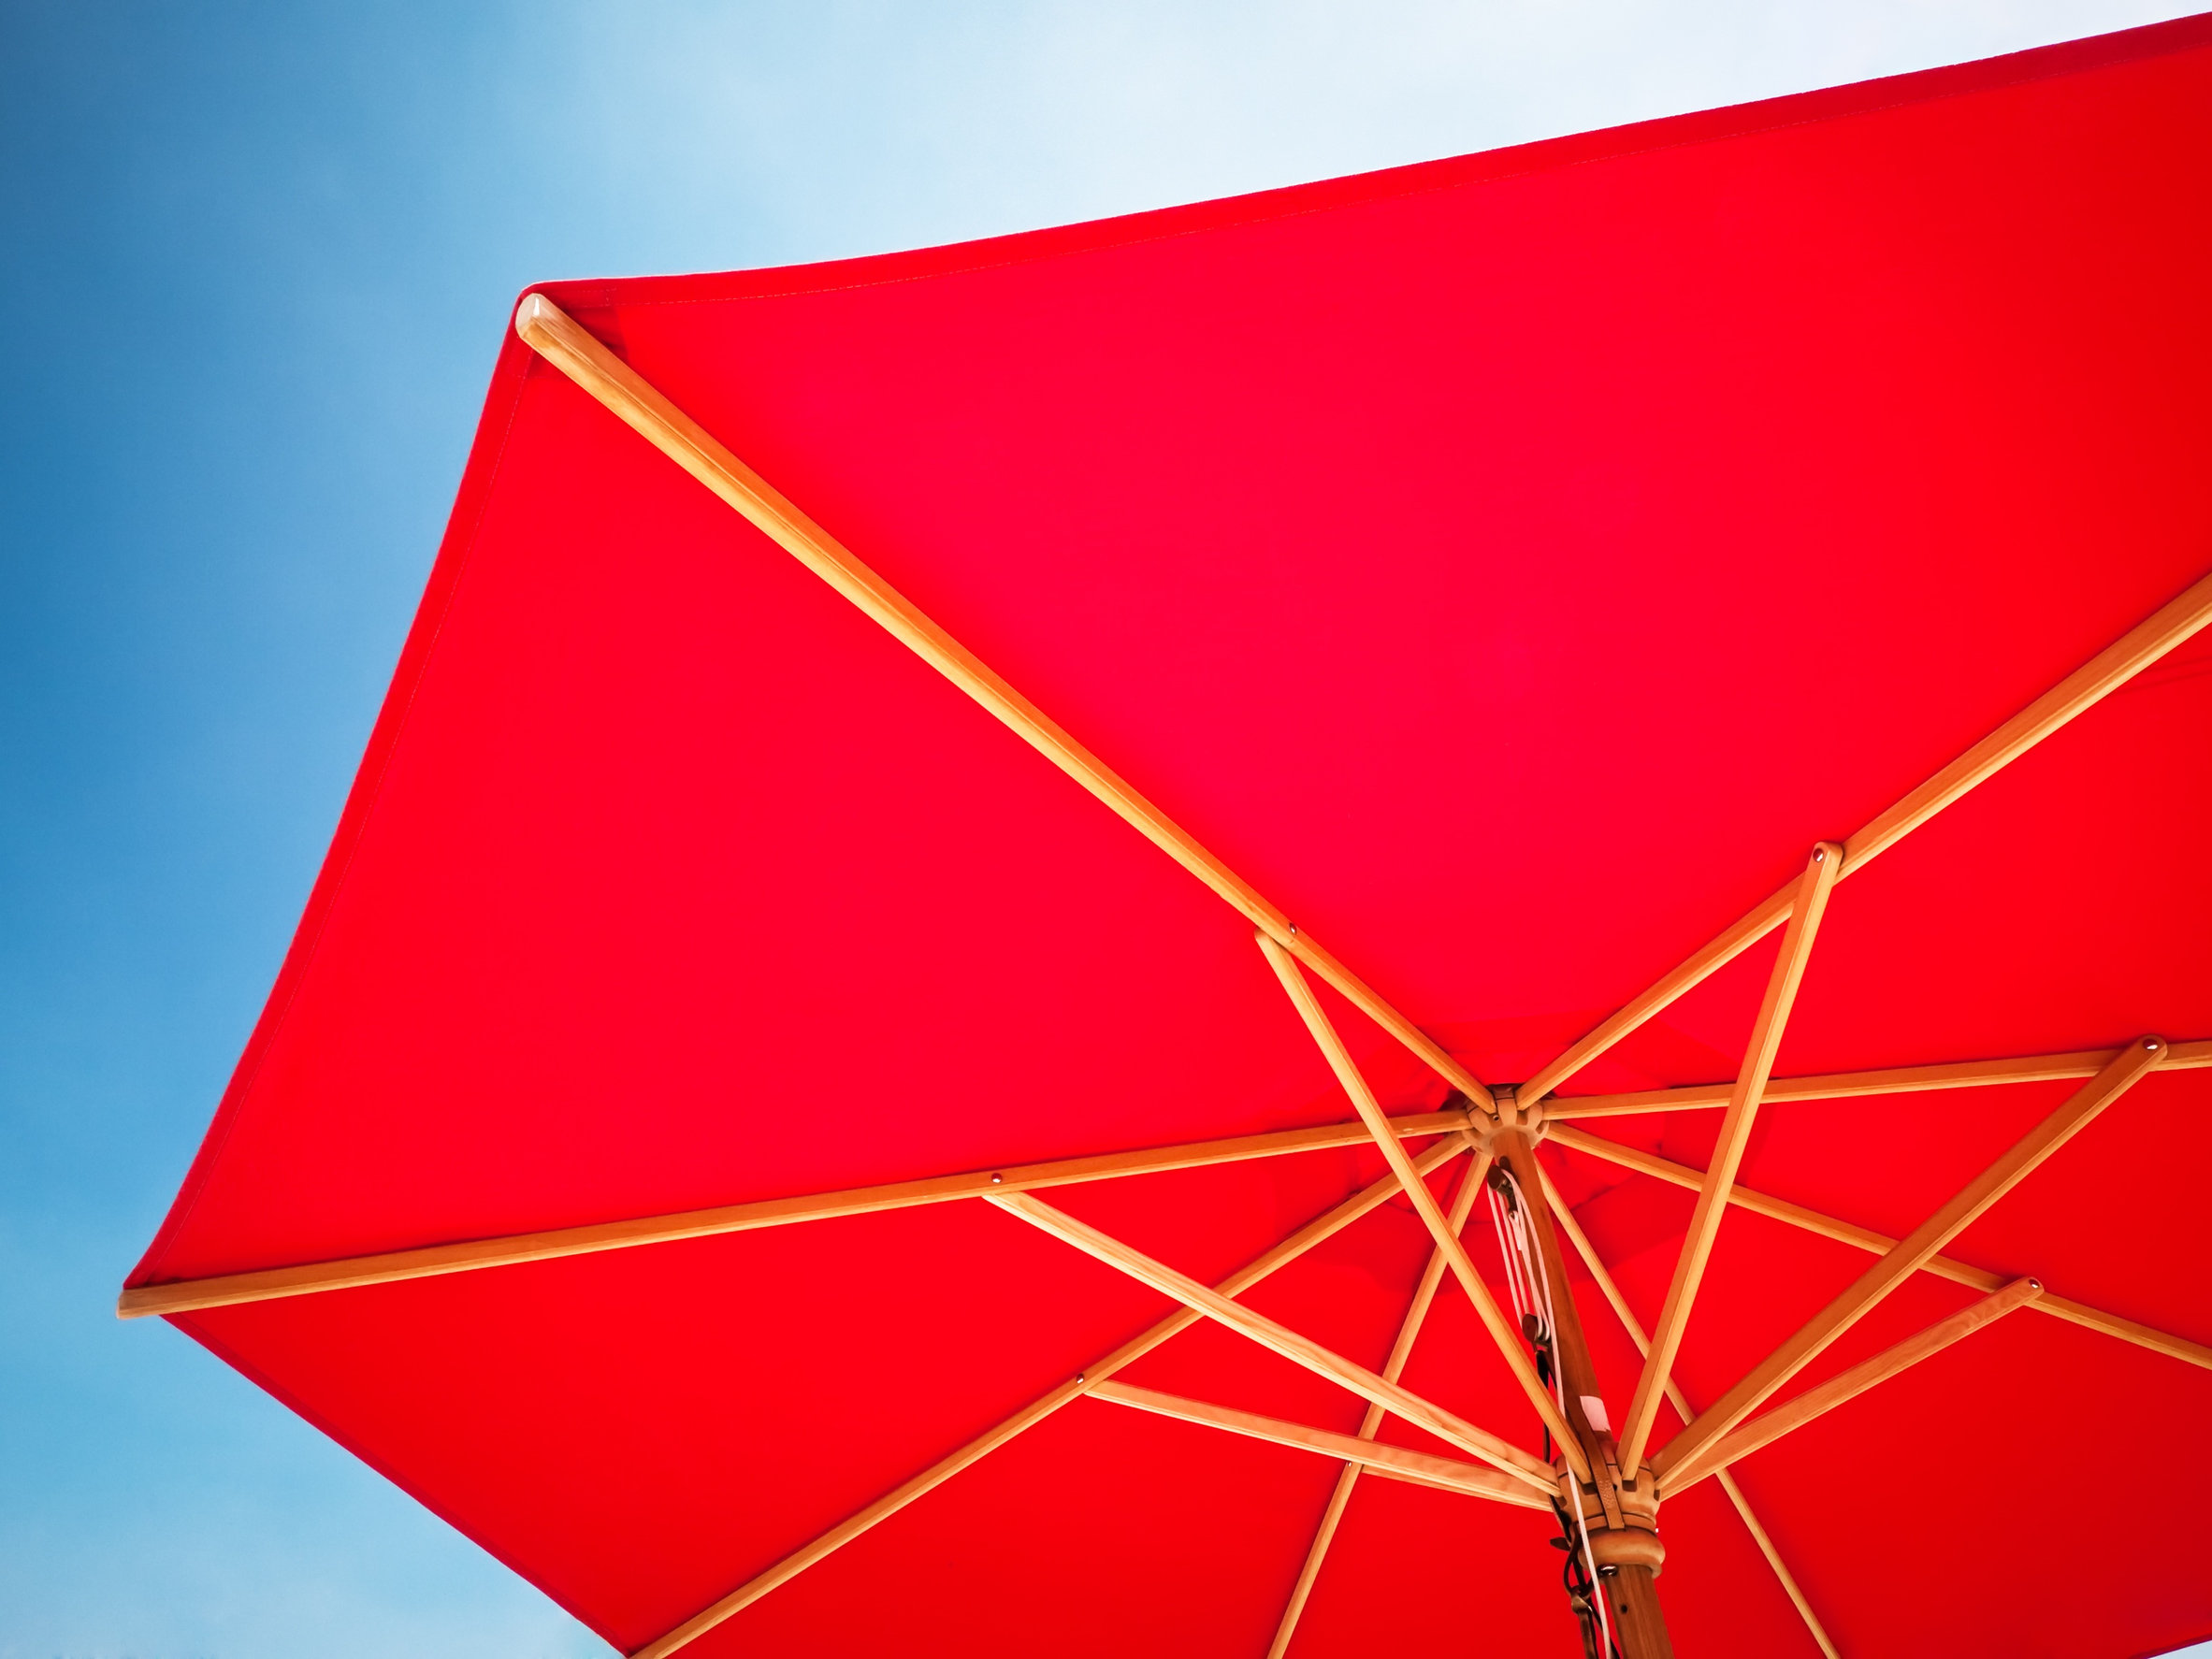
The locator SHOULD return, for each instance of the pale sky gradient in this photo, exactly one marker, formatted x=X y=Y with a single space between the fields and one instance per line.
x=257 y=260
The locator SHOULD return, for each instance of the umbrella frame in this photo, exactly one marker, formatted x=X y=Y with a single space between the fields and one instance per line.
x=1602 y=1486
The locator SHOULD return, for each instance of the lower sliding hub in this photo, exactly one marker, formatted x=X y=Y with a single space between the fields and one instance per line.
x=1614 y=1530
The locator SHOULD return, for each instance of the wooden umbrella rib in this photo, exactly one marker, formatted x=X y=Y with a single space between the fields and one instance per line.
x=1807 y=906
x=1394 y=1370
x=1315 y=1232
x=266 y=1284
x=1446 y=1236
x=1875 y=1244
x=1770 y=1426
x=1612 y=1290
x=1324 y=1534
x=1913 y=1253
x=1964 y=1074
x=572 y=350
x=1471 y=1478
x=1302 y=1350
x=2172 y=625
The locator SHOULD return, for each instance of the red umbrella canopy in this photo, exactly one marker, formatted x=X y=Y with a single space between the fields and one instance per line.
x=1487 y=582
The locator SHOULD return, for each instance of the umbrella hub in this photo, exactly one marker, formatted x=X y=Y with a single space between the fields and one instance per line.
x=1621 y=1519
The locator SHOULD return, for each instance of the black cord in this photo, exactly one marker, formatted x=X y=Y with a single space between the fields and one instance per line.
x=1574 y=1577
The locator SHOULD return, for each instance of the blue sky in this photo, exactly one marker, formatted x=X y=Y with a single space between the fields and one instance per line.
x=257 y=260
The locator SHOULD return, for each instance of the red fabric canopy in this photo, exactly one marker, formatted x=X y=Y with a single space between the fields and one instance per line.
x=1509 y=566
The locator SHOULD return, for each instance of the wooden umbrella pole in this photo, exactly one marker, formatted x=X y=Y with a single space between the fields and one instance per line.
x=1620 y=1510
x=1611 y=1290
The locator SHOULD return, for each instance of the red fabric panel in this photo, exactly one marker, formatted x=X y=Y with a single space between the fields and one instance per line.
x=1510 y=565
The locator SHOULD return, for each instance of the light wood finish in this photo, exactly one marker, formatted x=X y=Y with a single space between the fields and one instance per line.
x=572 y=350
x=1508 y=1340
x=1394 y=1369
x=1806 y=908
x=1332 y=1517
x=1407 y=1478
x=1908 y=1257
x=1314 y=1233
x=1866 y=1238
x=1515 y=1147
x=2096 y=1319
x=1471 y=1478
x=1770 y=1426
x=1612 y=1290
x=269 y=1283
x=1964 y=1074
x=1790 y=1587
x=2173 y=624
x=1640 y=1623
x=1638 y=1626
x=1256 y=1327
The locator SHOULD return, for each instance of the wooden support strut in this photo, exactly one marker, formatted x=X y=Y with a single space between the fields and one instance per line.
x=572 y=349
x=1449 y=1473
x=1770 y=1426
x=1394 y=1370
x=1508 y=1340
x=1866 y=1239
x=1806 y=909
x=1301 y=1351
x=183 y=1295
x=1759 y=1536
x=1315 y=1232
x=1907 y=1258
x=2173 y=624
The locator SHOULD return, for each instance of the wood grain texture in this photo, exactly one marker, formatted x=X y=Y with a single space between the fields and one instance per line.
x=572 y=349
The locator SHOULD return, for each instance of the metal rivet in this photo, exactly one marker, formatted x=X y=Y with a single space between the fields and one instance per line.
x=996 y=1179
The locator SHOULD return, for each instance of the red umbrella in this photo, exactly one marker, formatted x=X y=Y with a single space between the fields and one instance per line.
x=748 y=1141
